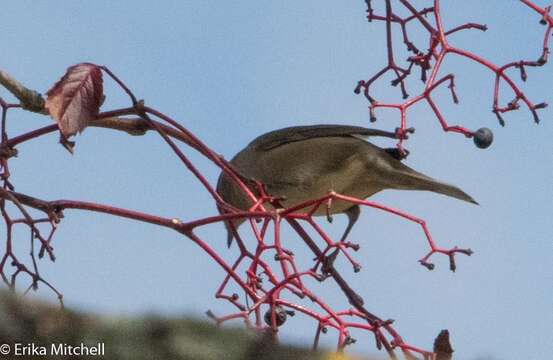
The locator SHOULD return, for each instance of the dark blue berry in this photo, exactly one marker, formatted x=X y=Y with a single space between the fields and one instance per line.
x=483 y=138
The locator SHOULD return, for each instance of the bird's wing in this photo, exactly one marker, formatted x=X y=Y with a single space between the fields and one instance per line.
x=288 y=135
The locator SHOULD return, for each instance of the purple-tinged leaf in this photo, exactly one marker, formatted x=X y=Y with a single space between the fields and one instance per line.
x=76 y=98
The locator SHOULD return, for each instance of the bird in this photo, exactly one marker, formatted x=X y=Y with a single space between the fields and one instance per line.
x=302 y=163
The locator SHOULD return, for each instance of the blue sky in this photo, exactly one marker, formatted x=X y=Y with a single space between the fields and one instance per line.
x=229 y=71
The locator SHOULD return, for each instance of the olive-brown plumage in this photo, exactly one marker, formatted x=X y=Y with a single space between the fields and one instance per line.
x=306 y=162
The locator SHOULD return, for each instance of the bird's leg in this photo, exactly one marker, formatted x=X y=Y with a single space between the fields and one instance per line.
x=353 y=215
x=329 y=217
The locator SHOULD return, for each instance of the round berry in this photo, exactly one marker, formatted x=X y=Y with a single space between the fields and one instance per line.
x=483 y=138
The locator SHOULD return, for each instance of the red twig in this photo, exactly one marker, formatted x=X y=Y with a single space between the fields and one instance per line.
x=268 y=293
x=430 y=63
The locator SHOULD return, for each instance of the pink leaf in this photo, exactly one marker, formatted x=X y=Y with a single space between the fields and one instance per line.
x=76 y=98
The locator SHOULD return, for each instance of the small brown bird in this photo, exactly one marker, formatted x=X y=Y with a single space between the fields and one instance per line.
x=306 y=162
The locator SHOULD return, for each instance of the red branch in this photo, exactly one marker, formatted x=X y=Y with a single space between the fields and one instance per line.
x=430 y=63
x=268 y=287
x=263 y=305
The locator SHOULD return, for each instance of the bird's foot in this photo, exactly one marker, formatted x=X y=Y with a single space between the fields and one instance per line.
x=450 y=253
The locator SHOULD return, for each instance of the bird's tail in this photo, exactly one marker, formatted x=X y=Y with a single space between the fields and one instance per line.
x=228 y=227
x=413 y=180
